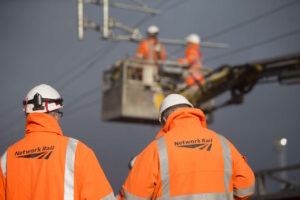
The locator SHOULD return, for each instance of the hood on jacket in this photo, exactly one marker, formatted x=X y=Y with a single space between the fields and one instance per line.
x=183 y=114
x=42 y=122
x=193 y=46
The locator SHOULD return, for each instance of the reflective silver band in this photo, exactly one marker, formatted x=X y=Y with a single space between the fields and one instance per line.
x=69 y=169
x=164 y=166
x=139 y=56
x=150 y=46
x=3 y=163
x=227 y=162
x=208 y=196
x=111 y=196
x=244 y=191
x=130 y=196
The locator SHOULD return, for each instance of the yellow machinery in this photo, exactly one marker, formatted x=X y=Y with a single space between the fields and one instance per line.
x=133 y=90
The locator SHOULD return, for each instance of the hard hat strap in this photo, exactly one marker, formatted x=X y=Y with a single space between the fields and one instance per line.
x=46 y=105
x=26 y=102
x=57 y=101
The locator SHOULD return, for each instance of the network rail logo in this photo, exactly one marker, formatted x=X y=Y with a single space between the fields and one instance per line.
x=200 y=144
x=38 y=153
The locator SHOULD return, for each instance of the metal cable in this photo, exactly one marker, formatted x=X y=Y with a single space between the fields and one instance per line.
x=251 y=20
x=174 y=5
x=90 y=66
x=257 y=44
x=147 y=17
x=241 y=24
x=72 y=69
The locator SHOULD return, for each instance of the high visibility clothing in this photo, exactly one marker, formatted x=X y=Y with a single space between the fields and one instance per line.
x=188 y=161
x=150 y=49
x=193 y=58
x=47 y=165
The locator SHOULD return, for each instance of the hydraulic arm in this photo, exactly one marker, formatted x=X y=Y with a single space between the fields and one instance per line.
x=241 y=79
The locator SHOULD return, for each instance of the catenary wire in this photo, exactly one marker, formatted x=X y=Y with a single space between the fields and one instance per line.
x=257 y=44
x=79 y=98
x=147 y=17
x=76 y=67
x=176 y=4
x=86 y=105
x=84 y=70
x=241 y=24
x=71 y=69
x=251 y=20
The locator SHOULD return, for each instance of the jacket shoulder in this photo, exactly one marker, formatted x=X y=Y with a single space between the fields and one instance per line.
x=149 y=152
x=81 y=147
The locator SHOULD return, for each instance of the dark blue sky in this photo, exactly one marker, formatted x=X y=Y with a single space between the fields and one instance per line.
x=38 y=44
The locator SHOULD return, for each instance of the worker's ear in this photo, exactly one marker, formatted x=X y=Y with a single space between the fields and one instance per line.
x=164 y=120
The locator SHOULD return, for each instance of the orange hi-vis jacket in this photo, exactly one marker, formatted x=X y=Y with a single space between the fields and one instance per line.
x=150 y=49
x=47 y=165
x=193 y=58
x=187 y=161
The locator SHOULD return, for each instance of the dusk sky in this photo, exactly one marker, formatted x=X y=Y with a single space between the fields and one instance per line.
x=38 y=44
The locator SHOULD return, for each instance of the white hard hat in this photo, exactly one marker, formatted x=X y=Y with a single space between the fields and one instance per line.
x=193 y=38
x=42 y=98
x=172 y=100
x=152 y=30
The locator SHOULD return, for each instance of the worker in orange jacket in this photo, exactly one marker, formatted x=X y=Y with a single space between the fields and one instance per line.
x=151 y=49
x=188 y=161
x=47 y=165
x=193 y=58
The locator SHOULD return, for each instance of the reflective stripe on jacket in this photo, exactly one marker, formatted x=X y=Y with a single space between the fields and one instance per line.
x=47 y=165
x=189 y=161
x=151 y=49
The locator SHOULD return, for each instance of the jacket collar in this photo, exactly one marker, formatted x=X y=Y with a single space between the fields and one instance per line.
x=152 y=39
x=183 y=117
x=42 y=122
x=193 y=46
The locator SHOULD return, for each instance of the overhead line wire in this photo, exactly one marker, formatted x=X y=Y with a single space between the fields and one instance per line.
x=257 y=44
x=11 y=124
x=174 y=5
x=13 y=108
x=242 y=24
x=81 y=96
x=88 y=93
x=78 y=66
x=147 y=17
x=251 y=20
x=90 y=66
x=84 y=106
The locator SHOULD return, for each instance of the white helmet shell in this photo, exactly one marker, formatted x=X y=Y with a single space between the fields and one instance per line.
x=193 y=38
x=152 y=30
x=172 y=100
x=49 y=99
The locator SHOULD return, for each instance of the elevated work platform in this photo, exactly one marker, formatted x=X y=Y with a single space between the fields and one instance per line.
x=133 y=90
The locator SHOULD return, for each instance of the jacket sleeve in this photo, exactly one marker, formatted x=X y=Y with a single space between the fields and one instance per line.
x=243 y=177
x=163 y=53
x=140 y=53
x=2 y=183
x=143 y=177
x=191 y=56
x=90 y=179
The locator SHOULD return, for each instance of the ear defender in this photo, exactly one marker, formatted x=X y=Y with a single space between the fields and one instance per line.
x=38 y=102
